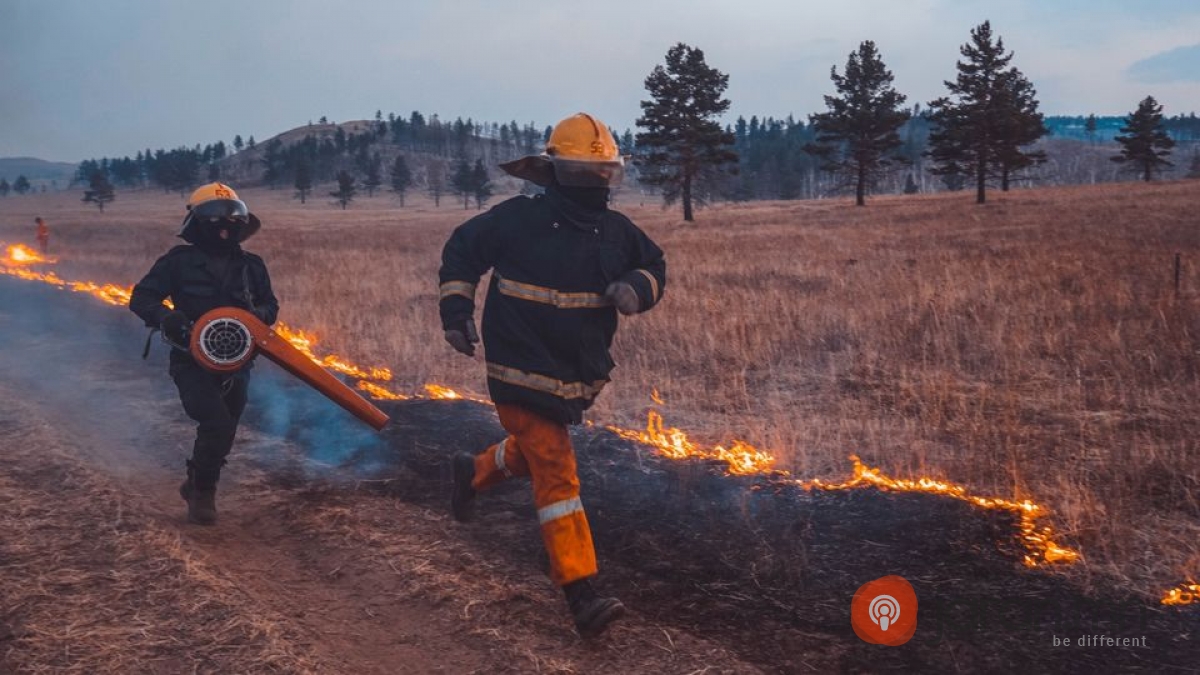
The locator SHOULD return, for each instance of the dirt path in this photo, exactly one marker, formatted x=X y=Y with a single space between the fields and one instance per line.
x=305 y=573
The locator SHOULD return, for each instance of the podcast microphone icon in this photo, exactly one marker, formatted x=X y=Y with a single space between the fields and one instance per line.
x=875 y=611
x=884 y=610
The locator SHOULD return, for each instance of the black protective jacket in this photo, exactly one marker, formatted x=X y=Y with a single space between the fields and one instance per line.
x=547 y=327
x=197 y=281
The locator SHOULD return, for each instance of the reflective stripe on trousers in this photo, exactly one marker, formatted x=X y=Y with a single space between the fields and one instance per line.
x=541 y=448
x=500 y=459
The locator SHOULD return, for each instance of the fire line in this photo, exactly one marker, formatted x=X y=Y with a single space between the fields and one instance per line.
x=741 y=458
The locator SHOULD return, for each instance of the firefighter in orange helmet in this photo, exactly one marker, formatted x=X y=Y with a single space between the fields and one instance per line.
x=43 y=234
x=563 y=265
x=208 y=272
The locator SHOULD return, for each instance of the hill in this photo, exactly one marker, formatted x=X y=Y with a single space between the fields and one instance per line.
x=36 y=169
x=429 y=148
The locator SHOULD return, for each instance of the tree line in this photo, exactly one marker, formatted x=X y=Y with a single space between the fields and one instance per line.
x=986 y=131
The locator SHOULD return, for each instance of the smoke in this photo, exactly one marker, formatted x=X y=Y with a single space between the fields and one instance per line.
x=329 y=437
x=84 y=359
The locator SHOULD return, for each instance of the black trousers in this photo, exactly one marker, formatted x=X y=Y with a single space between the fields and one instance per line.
x=216 y=403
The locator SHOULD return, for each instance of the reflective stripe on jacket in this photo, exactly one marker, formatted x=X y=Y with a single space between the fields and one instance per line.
x=547 y=327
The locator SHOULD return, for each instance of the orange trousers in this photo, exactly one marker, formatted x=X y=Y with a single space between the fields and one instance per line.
x=541 y=449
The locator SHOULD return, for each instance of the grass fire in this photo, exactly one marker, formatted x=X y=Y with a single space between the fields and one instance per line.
x=1002 y=399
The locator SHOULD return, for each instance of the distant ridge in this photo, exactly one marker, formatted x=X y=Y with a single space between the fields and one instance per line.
x=36 y=169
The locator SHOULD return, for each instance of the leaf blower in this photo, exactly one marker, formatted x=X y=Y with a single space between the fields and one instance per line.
x=225 y=338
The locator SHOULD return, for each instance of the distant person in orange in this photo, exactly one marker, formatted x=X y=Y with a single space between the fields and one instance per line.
x=43 y=234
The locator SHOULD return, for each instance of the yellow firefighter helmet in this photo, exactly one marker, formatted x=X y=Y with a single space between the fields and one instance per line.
x=211 y=192
x=215 y=203
x=580 y=152
x=584 y=153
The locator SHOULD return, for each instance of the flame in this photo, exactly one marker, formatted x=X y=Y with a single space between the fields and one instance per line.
x=305 y=341
x=745 y=459
x=1183 y=594
x=741 y=458
x=109 y=293
x=380 y=393
x=436 y=391
x=1038 y=541
x=20 y=254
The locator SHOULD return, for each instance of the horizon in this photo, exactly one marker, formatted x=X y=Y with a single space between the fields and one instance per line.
x=152 y=89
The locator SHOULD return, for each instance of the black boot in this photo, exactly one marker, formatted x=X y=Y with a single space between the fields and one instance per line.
x=592 y=613
x=462 y=499
x=201 y=497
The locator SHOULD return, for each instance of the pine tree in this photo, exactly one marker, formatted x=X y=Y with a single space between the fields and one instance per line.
x=373 y=175
x=101 y=191
x=346 y=189
x=481 y=186
x=991 y=116
x=681 y=142
x=435 y=179
x=250 y=143
x=237 y=144
x=4 y=187
x=1089 y=128
x=858 y=135
x=1019 y=126
x=273 y=163
x=303 y=182
x=401 y=178
x=910 y=185
x=1193 y=171
x=21 y=185
x=1144 y=142
x=461 y=183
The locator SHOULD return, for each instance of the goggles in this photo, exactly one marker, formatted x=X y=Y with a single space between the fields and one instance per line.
x=586 y=173
x=216 y=210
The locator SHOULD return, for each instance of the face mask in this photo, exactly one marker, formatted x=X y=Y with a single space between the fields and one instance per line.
x=218 y=236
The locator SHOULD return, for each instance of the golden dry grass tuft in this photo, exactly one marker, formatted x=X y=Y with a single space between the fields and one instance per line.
x=1032 y=347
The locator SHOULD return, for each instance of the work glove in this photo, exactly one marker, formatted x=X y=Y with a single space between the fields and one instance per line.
x=623 y=297
x=175 y=327
x=464 y=337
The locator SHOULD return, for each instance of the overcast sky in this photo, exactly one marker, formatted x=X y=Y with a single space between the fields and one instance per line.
x=91 y=78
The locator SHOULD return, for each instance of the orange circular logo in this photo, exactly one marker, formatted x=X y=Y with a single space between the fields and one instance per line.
x=884 y=611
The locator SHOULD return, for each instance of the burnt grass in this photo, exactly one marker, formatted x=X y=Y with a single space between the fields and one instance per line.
x=768 y=569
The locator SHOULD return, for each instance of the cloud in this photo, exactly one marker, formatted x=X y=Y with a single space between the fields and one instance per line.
x=1175 y=65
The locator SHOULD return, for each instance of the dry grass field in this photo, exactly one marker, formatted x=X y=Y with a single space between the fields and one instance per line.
x=1032 y=347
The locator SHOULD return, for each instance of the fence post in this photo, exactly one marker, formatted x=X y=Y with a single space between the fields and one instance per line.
x=1177 y=275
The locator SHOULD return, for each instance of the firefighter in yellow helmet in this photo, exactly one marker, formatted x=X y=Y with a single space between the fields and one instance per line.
x=563 y=265
x=208 y=272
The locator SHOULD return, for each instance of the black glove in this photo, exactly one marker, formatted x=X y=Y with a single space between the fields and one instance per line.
x=464 y=337
x=175 y=327
x=624 y=297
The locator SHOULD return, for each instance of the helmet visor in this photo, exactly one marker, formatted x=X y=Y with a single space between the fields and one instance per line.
x=581 y=173
x=216 y=210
